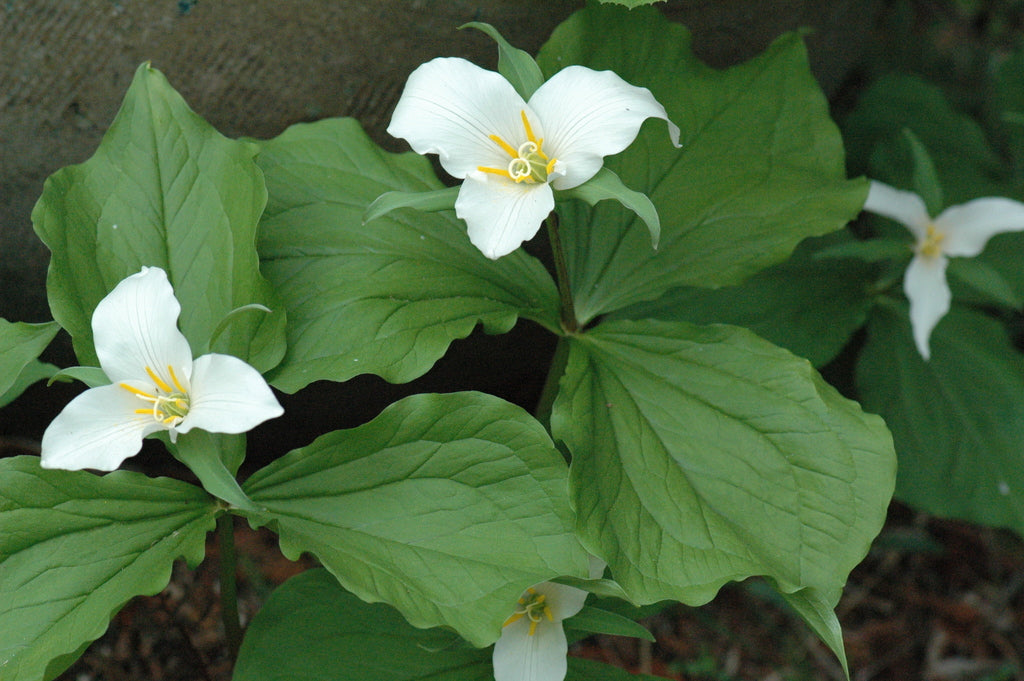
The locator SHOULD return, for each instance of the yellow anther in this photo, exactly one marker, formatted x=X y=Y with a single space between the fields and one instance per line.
x=931 y=247
x=533 y=626
x=509 y=149
x=495 y=171
x=529 y=130
x=160 y=383
x=174 y=379
x=135 y=391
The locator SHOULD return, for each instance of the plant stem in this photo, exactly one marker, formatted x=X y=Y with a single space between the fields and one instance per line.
x=228 y=587
x=550 y=390
x=569 y=322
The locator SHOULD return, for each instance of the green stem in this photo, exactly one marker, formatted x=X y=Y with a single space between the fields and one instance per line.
x=550 y=391
x=569 y=322
x=228 y=587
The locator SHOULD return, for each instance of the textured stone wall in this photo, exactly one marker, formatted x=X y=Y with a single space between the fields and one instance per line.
x=253 y=67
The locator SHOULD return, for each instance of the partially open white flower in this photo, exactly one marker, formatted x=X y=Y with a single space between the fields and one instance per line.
x=510 y=152
x=155 y=384
x=533 y=646
x=957 y=231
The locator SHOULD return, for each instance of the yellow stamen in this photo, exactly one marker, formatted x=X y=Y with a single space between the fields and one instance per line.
x=509 y=149
x=495 y=171
x=533 y=627
x=144 y=395
x=160 y=383
x=515 y=617
x=931 y=247
x=174 y=378
x=529 y=130
x=145 y=411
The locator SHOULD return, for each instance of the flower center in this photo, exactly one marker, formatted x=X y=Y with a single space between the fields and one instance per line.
x=529 y=162
x=169 y=404
x=532 y=605
x=931 y=246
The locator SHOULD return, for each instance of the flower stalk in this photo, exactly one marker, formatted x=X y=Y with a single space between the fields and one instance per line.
x=228 y=585
x=569 y=321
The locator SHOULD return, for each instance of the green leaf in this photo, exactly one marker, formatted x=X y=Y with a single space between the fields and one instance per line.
x=312 y=629
x=517 y=66
x=92 y=377
x=964 y=161
x=447 y=507
x=959 y=433
x=705 y=454
x=818 y=611
x=214 y=460
x=761 y=165
x=429 y=201
x=20 y=344
x=808 y=305
x=984 y=279
x=607 y=185
x=163 y=189
x=597 y=621
x=74 y=547
x=33 y=372
x=387 y=297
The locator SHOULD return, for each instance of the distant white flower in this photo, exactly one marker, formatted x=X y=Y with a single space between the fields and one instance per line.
x=958 y=231
x=155 y=384
x=533 y=646
x=510 y=152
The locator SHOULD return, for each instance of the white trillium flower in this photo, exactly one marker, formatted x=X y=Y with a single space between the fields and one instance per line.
x=510 y=153
x=533 y=646
x=155 y=383
x=959 y=231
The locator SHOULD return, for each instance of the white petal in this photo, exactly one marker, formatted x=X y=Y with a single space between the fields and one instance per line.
x=501 y=214
x=228 y=396
x=521 y=657
x=929 y=295
x=969 y=226
x=591 y=114
x=98 y=429
x=907 y=208
x=451 y=106
x=136 y=326
x=564 y=601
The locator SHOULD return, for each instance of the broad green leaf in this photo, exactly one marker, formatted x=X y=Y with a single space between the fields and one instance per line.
x=163 y=189
x=705 y=454
x=312 y=629
x=20 y=345
x=517 y=66
x=807 y=305
x=387 y=297
x=74 y=547
x=760 y=168
x=957 y=419
x=447 y=507
x=984 y=281
x=214 y=458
